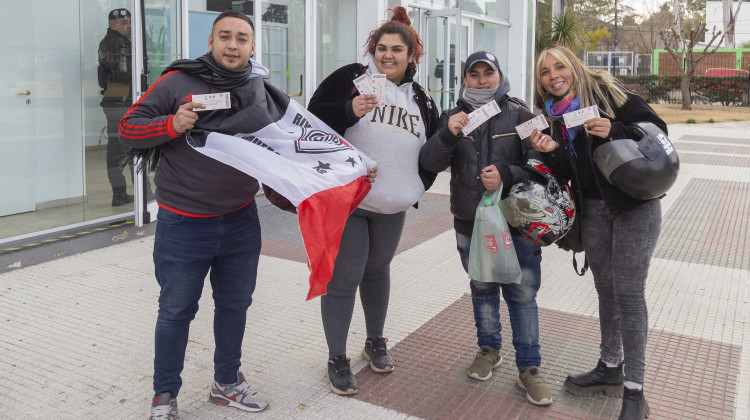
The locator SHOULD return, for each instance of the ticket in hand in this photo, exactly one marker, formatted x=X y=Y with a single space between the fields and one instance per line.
x=364 y=85
x=378 y=84
x=479 y=116
x=576 y=118
x=213 y=101
x=537 y=123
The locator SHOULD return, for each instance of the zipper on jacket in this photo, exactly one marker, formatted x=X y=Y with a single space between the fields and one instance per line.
x=503 y=135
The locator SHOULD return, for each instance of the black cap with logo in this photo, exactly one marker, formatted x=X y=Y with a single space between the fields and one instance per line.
x=119 y=14
x=481 y=56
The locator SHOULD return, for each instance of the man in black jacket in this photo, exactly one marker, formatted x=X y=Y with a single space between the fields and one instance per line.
x=487 y=158
x=114 y=75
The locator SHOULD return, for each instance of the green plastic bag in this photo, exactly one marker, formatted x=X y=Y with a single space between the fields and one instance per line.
x=492 y=256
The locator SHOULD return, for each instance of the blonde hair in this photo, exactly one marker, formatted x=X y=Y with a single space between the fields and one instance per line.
x=593 y=87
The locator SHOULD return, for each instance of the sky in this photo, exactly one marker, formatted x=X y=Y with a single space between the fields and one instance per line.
x=643 y=7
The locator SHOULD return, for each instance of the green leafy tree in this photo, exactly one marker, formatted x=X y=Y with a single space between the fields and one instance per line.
x=592 y=14
x=566 y=31
x=594 y=38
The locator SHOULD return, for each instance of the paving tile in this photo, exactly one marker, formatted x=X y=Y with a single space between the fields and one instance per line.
x=675 y=382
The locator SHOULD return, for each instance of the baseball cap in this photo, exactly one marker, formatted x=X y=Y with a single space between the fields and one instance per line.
x=481 y=56
x=119 y=14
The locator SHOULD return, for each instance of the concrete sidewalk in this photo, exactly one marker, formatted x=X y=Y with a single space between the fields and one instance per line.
x=76 y=334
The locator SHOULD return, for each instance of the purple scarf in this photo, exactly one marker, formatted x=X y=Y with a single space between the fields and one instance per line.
x=568 y=103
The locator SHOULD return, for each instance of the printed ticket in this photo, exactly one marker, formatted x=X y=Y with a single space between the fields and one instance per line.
x=378 y=84
x=213 y=101
x=576 y=118
x=479 y=116
x=364 y=85
x=537 y=123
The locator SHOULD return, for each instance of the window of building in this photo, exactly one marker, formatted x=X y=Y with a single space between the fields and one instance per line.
x=336 y=42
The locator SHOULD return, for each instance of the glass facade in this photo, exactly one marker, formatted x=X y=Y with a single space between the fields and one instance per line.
x=53 y=165
x=56 y=103
x=283 y=48
x=336 y=42
x=451 y=30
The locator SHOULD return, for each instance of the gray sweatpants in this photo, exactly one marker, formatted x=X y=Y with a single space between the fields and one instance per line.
x=619 y=250
x=368 y=245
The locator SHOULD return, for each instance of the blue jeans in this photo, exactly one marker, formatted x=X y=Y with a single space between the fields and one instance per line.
x=185 y=248
x=521 y=300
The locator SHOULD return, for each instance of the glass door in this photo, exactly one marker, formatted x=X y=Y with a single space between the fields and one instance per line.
x=283 y=45
x=445 y=38
x=41 y=168
x=18 y=98
x=157 y=29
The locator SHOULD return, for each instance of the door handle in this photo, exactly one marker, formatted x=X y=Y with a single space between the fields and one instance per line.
x=24 y=93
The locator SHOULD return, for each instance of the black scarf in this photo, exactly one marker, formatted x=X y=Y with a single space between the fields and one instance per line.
x=205 y=68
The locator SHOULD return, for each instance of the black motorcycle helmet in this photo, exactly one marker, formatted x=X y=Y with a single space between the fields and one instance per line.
x=643 y=168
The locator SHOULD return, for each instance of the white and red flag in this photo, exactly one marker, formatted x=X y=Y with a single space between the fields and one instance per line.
x=304 y=160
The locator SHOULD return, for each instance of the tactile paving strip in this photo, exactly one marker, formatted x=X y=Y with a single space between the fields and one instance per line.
x=713 y=217
x=686 y=378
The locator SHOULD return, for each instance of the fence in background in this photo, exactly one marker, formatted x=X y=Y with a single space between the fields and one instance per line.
x=713 y=90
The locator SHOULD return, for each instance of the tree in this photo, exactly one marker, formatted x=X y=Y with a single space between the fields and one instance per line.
x=566 y=31
x=592 y=13
x=562 y=29
x=682 y=51
x=594 y=38
x=647 y=32
x=729 y=20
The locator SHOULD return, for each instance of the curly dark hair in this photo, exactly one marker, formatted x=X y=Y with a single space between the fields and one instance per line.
x=399 y=24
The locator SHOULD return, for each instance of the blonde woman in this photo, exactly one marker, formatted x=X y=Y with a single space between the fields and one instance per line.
x=619 y=233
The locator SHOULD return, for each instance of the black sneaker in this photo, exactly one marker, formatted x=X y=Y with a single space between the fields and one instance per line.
x=163 y=407
x=377 y=353
x=340 y=376
x=120 y=199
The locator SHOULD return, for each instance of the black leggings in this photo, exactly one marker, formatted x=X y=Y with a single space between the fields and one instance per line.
x=368 y=245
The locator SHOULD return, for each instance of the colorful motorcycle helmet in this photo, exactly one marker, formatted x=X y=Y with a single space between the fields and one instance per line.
x=643 y=168
x=538 y=207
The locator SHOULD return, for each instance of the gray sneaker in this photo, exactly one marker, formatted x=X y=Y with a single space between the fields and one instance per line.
x=531 y=381
x=377 y=353
x=486 y=359
x=238 y=395
x=163 y=407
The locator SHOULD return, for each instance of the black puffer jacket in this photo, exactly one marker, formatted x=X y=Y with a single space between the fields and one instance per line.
x=586 y=179
x=494 y=143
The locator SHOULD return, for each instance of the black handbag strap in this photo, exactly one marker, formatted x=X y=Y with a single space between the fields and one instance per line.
x=585 y=265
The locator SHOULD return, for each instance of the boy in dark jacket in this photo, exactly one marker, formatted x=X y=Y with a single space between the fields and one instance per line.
x=481 y=160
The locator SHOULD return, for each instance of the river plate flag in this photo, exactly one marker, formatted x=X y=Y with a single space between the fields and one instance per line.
x=305 y=161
